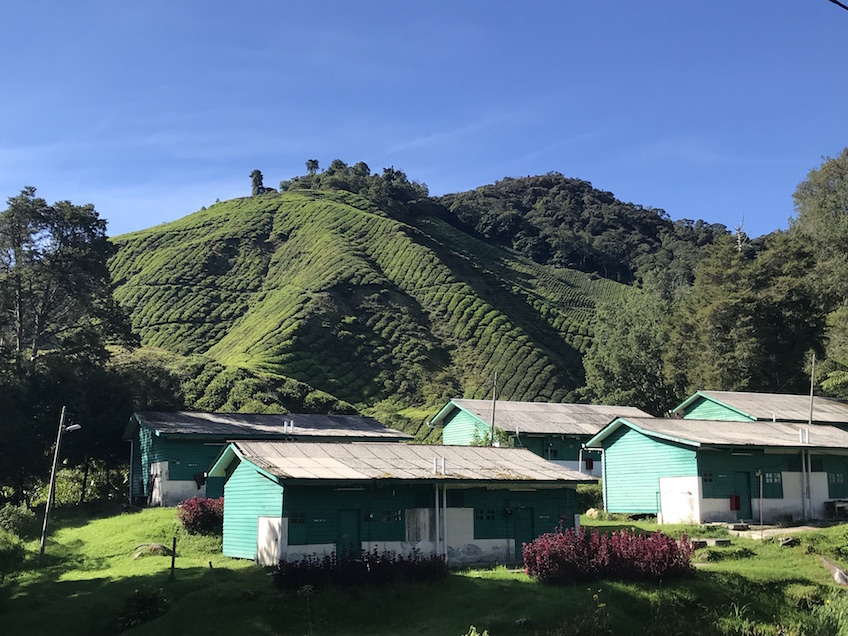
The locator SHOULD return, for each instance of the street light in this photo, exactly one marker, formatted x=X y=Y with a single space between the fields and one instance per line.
x=62 y=429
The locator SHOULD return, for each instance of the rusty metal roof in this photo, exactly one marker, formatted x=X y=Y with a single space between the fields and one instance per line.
x=367 y=461
x=543 y=417
x=261 y=425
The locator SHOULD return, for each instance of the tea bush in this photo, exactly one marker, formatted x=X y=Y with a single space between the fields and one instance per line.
x=370 y=568
x=575 y=555
x=12 y=555
x=142 y=605
x=202 y=516
x=18 y=520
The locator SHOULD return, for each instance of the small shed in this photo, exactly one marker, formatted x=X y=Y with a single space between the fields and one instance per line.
x=741 y=406
x=171 y=452
x=554 y=431
x=470 y=504
x=696 y=471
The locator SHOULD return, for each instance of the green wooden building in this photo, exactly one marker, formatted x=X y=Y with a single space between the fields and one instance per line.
x=551 y=430
x=740 y=406
x=696 y=471
x=470 y=504
x=171 y=452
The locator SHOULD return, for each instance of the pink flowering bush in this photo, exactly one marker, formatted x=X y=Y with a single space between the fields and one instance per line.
x=575 y=555
x=202 y=516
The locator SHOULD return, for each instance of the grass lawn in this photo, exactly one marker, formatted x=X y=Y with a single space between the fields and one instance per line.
x=747 y=588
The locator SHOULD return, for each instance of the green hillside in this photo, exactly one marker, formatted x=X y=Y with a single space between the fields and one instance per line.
x=323 y=288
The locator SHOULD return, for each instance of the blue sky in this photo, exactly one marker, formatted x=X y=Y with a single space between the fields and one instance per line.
x=712 y=109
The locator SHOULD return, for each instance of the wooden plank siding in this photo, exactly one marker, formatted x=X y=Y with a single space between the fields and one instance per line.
x=462 y=428
x=704 y=409
x=248 y=495
x=152 y=449
x=634 y=464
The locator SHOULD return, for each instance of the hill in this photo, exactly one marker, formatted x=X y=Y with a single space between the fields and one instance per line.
x=326 y=289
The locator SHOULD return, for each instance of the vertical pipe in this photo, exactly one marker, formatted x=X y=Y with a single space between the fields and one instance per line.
x=436 y=533
x=445 y=518
x=604 y=478
x=580 y=460
x=810 y=483
x=803 y=486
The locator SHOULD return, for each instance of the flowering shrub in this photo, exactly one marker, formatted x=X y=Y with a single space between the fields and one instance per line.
x=575 y=555
x=370 y=568
x=202 y=516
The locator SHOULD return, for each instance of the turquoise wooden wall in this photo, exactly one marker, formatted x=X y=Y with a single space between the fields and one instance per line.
x=461 y=428
x=248 y=495
x=634 y=465
x=185 y=458
x=703 y=409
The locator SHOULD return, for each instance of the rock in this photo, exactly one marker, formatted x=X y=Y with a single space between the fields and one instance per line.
x=786 y=542
x=839 y=575
x=592 y=513
x=152 y=549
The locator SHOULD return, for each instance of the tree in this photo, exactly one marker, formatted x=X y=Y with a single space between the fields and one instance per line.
x=55 y=287
x=256 y=183
x=624 y=365
x=57 y=314
x=749 y=321
x=311 y=166
x=821 y=203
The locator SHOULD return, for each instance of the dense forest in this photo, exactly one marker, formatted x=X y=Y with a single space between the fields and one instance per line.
x=346 y=290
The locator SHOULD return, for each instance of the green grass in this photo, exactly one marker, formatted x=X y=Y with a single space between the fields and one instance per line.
x=90 y=572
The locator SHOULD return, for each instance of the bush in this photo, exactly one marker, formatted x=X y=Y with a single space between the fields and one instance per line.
x=575 y=555
x=18 y=520
x=142 y=605
x=202 y=516
x=12 y=554
x=371 y=568
x=590 y=496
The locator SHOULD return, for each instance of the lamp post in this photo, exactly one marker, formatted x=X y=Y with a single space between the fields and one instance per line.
x=50 y=493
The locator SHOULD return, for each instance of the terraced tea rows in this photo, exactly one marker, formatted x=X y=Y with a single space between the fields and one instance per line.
x=323 y=288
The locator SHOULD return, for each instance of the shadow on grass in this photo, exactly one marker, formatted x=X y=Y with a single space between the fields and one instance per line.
x=244 y=600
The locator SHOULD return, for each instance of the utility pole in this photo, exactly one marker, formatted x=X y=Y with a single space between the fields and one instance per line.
x=52 y=490
x=494 y=400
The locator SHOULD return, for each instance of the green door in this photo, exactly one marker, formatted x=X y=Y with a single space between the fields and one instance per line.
x=742 y=482
x=348 y=542
x=522 y=518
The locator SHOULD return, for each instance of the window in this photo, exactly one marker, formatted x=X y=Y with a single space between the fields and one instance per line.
x=486 y=523
x=297 y=517
x=707 y=478
x=773 y=485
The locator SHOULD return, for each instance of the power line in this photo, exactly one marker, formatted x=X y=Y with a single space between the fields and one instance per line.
x=839 y=4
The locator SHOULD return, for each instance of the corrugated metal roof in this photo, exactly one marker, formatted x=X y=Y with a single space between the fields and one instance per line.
x=548 y=418
x=367 y=461
x=246 y=425
x=761 y=434
x=792 y=408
